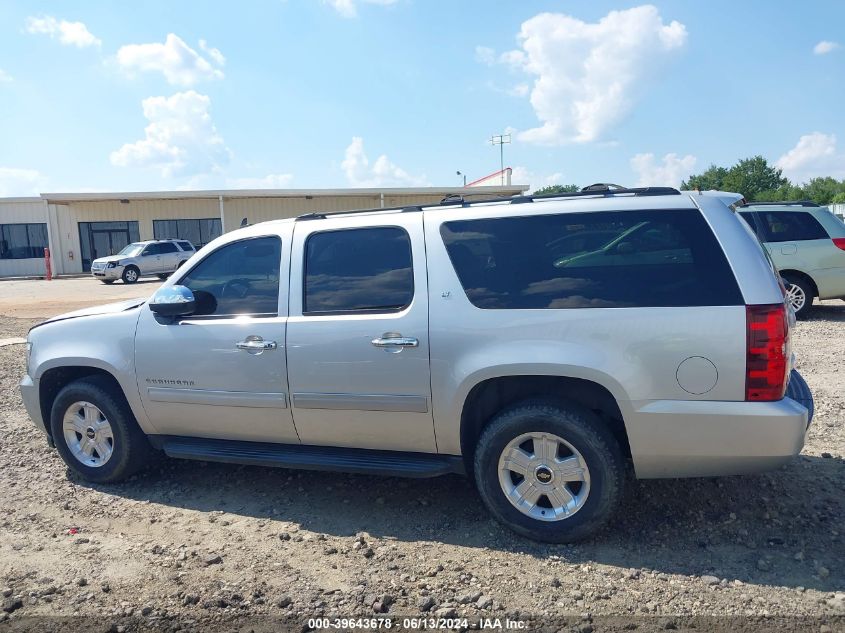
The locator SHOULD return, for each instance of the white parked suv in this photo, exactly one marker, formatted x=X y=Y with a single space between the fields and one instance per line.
x=538 y=344
x=143 y=259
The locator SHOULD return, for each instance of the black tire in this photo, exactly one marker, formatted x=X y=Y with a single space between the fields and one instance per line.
x=804 y=287
x=128 y=277
x=799 y=391
x=577 y=426
x=131 y=451
x=108 y=282
x=163 y=276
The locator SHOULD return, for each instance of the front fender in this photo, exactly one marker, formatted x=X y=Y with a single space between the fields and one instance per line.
x=105 y=342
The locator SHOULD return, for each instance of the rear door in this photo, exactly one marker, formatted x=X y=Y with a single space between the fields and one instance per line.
x=358 y=348
x=169 y=254
x=795 y=239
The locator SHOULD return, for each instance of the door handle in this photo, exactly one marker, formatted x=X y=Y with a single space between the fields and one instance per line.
x=395 y=342
x=256 y=344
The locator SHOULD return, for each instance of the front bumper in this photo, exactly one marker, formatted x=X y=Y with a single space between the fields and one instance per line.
x=32 y=402
x=107 y=273
x=700 y=438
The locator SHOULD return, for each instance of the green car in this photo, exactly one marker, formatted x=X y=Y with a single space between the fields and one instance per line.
x=806 y=243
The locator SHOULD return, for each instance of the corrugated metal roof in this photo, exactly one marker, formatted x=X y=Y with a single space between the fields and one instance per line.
x=281 y=193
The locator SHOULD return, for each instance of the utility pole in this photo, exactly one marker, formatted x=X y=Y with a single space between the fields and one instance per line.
x=500 y=140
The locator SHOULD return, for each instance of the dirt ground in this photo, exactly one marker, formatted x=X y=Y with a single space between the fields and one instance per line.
x=190 y=545
x=37 y=298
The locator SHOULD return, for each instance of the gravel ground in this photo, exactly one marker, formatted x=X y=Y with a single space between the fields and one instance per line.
x=194 y=544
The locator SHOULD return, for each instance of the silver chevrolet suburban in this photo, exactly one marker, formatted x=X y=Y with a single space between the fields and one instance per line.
x=538 y=344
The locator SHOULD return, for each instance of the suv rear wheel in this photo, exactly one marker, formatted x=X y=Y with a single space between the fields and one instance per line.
x=95 y=432
x=549 y=471
x=799 y=295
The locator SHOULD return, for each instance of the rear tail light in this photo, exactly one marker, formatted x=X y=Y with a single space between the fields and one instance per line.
x=767 y=352
x=839 y=242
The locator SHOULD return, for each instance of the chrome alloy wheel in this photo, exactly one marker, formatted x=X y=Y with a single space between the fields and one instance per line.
x=131 y=275
x=88 y=434
x=544 y=476
x=795 y=297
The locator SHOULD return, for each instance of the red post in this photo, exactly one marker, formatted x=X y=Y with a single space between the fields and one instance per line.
x=47 y=264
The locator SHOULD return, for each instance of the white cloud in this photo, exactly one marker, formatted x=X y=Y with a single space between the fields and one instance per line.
x=181 y=138
x=70 y=33
x=523 y=176
x=814 y=155
x=668 y=173
x=270 y=181
x=382 y=173
x=485 y=55
x=20 y=182
x=180 y=64
x=5 y=77
x=349 y=8
x=587 y=76
x=824 y=47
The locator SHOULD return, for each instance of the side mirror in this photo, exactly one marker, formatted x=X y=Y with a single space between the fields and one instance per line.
x=173 y=301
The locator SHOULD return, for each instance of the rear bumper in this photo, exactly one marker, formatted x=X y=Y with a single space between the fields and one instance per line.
x=672 y=438
x=31 y=401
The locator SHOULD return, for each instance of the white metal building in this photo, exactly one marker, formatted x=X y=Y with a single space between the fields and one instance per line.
x=79 y=227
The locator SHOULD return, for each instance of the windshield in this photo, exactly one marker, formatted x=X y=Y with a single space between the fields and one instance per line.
x=130 y=250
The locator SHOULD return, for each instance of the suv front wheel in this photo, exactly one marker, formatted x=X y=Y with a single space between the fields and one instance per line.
x=130 y=275
x=95 y=432
x=549 y=471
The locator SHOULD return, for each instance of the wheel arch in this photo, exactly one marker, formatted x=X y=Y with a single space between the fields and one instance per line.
x=53 y=380
x=491 y=395
x=786 y=272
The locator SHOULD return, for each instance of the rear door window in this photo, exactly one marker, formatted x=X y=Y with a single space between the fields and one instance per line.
x=358 y=270
x=788 y=226
x=591 y=260
x=167 y=247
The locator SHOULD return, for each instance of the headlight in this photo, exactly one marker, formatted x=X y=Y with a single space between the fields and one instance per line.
x=112 y=264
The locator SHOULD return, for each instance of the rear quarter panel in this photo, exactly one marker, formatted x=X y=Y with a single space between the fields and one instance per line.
x=633 y=352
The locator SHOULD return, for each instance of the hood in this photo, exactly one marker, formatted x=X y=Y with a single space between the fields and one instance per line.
x=109 y=308
x=110 y=258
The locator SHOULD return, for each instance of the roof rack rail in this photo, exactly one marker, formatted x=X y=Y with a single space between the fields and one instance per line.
x=455 y=199
x=597 y=190
x=790 y=203
x=322 y=215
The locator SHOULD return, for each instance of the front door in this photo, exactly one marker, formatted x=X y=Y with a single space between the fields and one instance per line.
x=101 y=239
x=358 y=359
x=221 y=373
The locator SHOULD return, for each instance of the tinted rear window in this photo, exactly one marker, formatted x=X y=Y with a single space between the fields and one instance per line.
x=786 y=226
x=591 y=260
x=355 y=270
x=167 y=247
x=186 y=246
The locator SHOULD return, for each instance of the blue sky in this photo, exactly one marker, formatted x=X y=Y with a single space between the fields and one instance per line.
x=99 y=95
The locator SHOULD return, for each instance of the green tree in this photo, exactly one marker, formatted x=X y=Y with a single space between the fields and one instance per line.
x=784 y=193
x=839 y=198
x=557 y=189
x=823 y=190
x=713 y=178
x=752 y=176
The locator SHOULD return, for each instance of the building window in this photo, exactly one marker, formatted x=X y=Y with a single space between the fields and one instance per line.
x=22 y=241
x=198 y=232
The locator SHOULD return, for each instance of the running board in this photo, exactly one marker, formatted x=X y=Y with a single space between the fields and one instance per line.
x=330 y=458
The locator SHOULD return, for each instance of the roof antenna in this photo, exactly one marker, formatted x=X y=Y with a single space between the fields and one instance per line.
x=244 y=223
